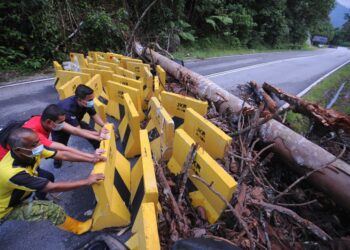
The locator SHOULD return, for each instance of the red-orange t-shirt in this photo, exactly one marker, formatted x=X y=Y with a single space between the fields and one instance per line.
x=33 y=123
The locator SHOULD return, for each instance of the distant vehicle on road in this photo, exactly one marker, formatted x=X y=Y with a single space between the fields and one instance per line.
x=318 y=40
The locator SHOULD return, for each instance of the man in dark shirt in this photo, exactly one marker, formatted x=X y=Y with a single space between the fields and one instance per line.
x=75 y=108
x=21 y=176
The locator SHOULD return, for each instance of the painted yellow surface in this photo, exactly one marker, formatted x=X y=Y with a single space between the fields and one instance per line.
x=162 y=77
x=161 y=130
x=68 y=89
x=131 y=122
x=116 y=99
x=145 y=230
x=206 y=134
x=206 y=167
x=111 y=210
x=176 y=104
x=65 y=75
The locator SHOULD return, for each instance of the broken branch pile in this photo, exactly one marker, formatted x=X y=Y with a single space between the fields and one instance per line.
x=273 y=208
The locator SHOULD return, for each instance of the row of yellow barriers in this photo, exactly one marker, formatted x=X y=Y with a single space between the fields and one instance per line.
x=126 y=90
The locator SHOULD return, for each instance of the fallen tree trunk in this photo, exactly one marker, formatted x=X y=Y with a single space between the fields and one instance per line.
x=327 y=117
x=299 y=153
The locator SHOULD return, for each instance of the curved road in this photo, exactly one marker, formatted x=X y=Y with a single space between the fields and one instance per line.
x=291 y=71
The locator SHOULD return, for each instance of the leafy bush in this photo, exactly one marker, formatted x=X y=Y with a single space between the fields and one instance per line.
x=34 y=32
x=104 y=31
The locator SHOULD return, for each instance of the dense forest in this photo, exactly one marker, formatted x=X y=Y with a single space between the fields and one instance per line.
x=34 y=32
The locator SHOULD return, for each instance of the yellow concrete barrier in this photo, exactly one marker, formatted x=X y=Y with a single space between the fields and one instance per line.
x=129 y=128
x=124 y=72
x=64 y=76
x=112 y=194
x=116 y=106
x=147 y=80
x=57 y=66
x=137 y=84
x=112 y=66
x=208 y=169
x=143 y=178
x=176 y=106
x=106 y=75
x=95 y=83
x=98 y=66
x=206 y=134
x=89 y=59
x=125 y=59
x=137 y=68
x=68 y=89
x=161 y=130
x=145 y=230
x=162 y=77
x=156 y=88
x=96 y=55
x=111 y=56
x=79 y=59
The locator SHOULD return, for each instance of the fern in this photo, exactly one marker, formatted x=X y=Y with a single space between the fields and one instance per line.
x=211 y=22
x=225 y=20
x=187 y=36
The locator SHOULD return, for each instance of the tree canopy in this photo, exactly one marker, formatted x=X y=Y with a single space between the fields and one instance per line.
x=38 y=30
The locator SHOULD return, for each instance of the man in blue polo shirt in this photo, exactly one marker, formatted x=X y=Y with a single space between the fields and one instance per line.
x=75 y=108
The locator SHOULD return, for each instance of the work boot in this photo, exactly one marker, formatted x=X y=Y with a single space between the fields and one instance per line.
x=57 y=163
x=75 y=226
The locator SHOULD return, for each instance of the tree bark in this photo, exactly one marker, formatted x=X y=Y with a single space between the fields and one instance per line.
x=327 y=117
x=299 y=153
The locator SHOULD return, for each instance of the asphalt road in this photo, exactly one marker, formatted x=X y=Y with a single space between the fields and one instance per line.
x=292 y=71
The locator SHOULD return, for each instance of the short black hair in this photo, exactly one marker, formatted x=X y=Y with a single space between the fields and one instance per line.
x=82 y=91
x=52 y=112
x=6 y=131
x=16 y=136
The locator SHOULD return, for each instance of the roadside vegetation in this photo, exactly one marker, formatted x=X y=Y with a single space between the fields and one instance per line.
x=209 y=47
x=322 y=94
x=33 y=33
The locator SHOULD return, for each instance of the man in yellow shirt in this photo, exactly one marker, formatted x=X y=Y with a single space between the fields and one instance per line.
x=21 y=176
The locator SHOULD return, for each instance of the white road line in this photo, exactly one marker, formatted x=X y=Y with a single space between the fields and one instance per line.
x=256 y=66
x=320 y=79
x=22 y=83
x=300 y=94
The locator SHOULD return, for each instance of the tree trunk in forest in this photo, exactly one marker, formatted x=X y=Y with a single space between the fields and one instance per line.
x=299 y=153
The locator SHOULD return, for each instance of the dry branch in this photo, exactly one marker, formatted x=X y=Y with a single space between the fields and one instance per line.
x=234 y=212
x=129 y=44
x=180 y=219
x=305 y=223
x=186 y=169
x=263 y=97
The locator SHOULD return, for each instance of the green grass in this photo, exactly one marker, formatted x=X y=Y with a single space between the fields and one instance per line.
x=207 y=48
x=322 y=94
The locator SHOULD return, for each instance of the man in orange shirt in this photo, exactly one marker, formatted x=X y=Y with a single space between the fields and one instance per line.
x=53 y=118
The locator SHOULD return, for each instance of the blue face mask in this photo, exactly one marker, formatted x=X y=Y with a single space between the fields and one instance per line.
x=35 y=151
x=90 y=104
